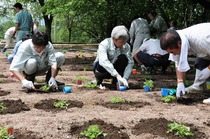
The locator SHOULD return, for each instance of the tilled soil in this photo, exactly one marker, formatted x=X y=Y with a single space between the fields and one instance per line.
x=142 y=115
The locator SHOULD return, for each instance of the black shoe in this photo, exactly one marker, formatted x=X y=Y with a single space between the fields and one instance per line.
x=3 y=50
x=60 y=83
x=152 y=71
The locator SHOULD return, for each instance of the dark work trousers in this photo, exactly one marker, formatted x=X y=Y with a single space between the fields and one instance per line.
x=201 y=63
x=119 y=65
x=151 y=61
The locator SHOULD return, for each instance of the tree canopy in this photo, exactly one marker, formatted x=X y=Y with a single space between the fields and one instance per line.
x=92 y=20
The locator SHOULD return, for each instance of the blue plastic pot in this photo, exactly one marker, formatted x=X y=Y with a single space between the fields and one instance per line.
x=146 y=88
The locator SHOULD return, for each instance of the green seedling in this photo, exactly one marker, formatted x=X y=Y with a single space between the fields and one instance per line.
x=93 y=132
x=79 y=53
x=120 y=100
x=85 y=68
x=2 y=107
x=149 y=82
x=91 y=85
x=1 y=80
x=4 y=133
x=117 y=100
x=187 y=83
x=63 y=104
x=45 y=87
x=37 y=80
x=168 y=99
x=179 y=129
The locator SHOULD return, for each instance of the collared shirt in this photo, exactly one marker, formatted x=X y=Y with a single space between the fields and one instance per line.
x=26 y=51
x=107 y=55
x=24 y=20
x=195 y=41
x=152 y=46
x=138 y=26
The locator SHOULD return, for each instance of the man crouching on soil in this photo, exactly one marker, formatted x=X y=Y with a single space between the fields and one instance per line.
x=114 y=58
x=35 y=57
x=192 y=40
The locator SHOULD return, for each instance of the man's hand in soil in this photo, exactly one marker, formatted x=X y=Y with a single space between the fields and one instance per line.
x=53 y=83
x=180 y=88
x=27 y=84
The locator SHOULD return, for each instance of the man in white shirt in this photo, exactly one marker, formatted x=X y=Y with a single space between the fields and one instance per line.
x=35 y=57
x=151 y=55
x=194 y=40
x=8 y=38
x=114 y=58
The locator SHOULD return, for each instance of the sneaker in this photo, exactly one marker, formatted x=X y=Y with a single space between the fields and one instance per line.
x=206 y=101
x=3 y=50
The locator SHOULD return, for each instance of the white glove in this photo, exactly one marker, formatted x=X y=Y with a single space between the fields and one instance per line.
x=122 y=80
x=143 y=68
x=180 y=88
x=27 y=84
x=53 y=83
x=204 y=74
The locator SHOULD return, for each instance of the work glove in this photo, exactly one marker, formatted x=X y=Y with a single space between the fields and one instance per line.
x=122 y=81
x=204 y=74
x=143 y=68
x=27 y=84
x=180 y=88
x=53 y=83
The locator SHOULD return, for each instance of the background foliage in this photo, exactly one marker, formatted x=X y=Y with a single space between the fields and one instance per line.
x=87 y=21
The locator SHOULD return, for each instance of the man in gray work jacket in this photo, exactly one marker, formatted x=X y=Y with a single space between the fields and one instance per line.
x=114 y=58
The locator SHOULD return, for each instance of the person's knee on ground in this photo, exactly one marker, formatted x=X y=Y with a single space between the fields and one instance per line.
x=60 y=58
x=30 y=69
x=197 y=85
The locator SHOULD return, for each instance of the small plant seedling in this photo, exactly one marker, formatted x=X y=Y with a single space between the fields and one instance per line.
x=149 y=82
x=1 y=80
x=117 y=100
x=187 y=83
x=168 y=99
x=85 y=68
x=63 y=104
x=37 y=80
x=2 y=107
x=93 y=132
x=120 y=100
x=4 y=133
x=179 y=129
x=45 y=87
x=91 y=85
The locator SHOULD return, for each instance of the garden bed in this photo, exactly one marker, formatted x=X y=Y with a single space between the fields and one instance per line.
x=140 y=115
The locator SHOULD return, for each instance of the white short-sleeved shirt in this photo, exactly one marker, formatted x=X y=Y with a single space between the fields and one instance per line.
x=152 y=46
x=26 y=51
x=195 y=41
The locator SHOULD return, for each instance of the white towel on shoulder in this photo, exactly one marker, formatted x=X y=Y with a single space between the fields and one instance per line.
x=181 y=60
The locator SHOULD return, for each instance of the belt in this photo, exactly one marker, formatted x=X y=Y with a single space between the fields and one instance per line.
x=157 y=55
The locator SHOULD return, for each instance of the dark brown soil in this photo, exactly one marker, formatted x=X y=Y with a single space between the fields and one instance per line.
x=144 y=118
x=13 y=106
x=112 y=131
x=25 y=134
x=47 y=105
x=158 y=127
x=4 y=93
